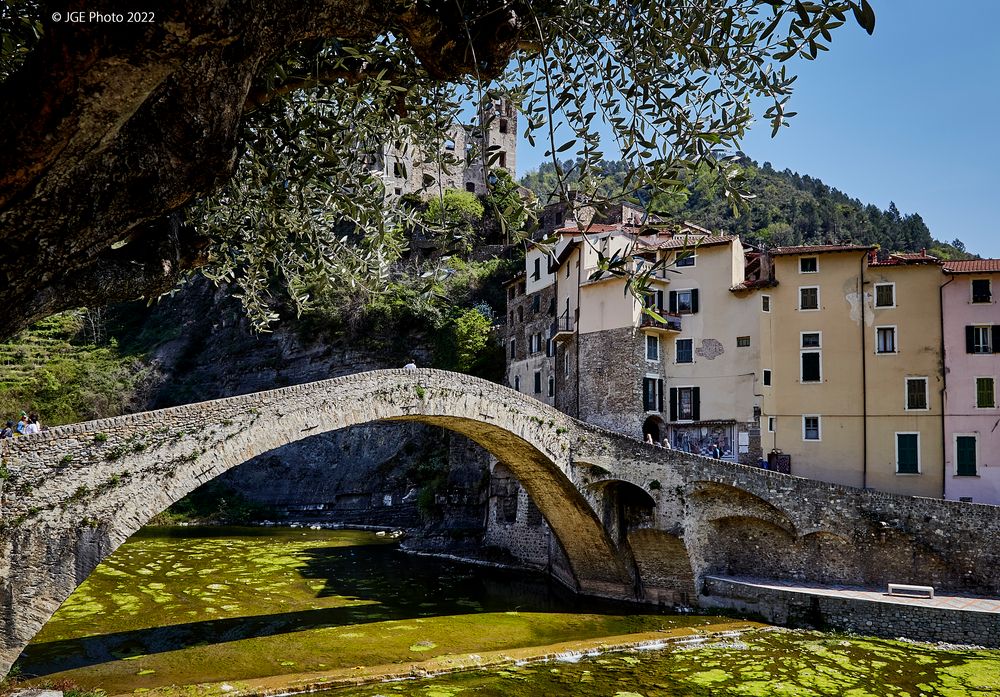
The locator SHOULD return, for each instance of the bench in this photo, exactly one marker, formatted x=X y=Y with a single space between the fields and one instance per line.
x=911 y=591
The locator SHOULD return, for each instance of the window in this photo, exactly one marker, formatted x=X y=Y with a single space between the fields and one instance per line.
x=517 y=383
x=538 y=382
x=765 y=303
x=685 y=403
x=552 y=306
x=654 y=300
x=684 y=350
x=885 y=295
x=885 y=340
x=398 y=170
x=965 y=456
x=811 y=358
x=552 y=386
x=771 y=424
x=684 y=302
x=536 y=303
x=809 y=298
x=550 y=348
x=916 y=393
x=470 y=187
x=981 y=291
x=449 y=144
x=520 y=314
x=742 y=341
x=985 y=393
x=808 y=265
x=981 y=339
x=907 y=453
x=685 y=259
x=652 y=393
x=767 y=377
x=652 y=347
x=502 y=160
x=537 y=273
x=811 y=428
x=503 y=125
x=513 y=348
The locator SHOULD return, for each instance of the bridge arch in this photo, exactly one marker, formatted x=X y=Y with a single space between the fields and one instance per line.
x=74 y=494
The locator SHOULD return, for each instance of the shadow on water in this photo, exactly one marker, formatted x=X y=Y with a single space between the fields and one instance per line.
x=389 y=584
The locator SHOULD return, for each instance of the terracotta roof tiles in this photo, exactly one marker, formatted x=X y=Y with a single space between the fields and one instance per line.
x=820 y=249
x=972 y=266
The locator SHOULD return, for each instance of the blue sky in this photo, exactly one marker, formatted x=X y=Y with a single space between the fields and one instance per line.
x=909 y=115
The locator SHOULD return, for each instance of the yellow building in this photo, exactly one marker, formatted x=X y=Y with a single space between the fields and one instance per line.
x=851 y=367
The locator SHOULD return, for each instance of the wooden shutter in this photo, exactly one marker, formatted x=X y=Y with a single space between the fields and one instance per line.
x=673 y=302
x=694 y=300
x=906 y=448
x=673 y=403
x=659 y=396
x=995 y=343
x=965 y=456
x=696 y=403
x=970 y=339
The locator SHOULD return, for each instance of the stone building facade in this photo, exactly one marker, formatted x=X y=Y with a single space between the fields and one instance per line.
x=490 y=143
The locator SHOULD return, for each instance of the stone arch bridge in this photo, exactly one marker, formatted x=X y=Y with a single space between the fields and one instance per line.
x=632 y=521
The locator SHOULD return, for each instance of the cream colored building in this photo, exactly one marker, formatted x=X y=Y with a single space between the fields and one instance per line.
x=687 y=376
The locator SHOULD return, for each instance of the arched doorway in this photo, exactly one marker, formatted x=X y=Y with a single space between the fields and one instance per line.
x=654 y=427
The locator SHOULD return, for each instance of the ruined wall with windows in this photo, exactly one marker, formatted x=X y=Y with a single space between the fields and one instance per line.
x=491 y=143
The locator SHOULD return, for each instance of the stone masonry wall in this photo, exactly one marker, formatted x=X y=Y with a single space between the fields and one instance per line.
x=611 y=390
x=888 y=620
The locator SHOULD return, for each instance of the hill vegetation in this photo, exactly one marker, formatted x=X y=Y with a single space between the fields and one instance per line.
x=785 y=208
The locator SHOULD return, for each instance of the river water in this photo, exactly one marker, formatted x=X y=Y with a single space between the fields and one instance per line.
x=243 y=609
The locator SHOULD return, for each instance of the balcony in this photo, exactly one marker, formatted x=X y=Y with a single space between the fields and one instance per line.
x=670 y=324
x=562 y=328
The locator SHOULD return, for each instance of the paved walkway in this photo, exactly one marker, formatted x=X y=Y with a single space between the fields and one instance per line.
x=945 y=602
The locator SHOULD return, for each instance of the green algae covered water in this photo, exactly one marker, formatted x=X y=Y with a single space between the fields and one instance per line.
x=200 y=611
x=758 y=664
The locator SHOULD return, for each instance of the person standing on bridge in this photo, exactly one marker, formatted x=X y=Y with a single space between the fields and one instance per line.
x=33 y=425
x=8 y=431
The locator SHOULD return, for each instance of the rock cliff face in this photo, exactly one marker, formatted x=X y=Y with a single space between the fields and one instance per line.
x=398 y=475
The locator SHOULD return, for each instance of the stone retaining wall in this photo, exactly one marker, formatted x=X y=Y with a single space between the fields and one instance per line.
x=881 y=619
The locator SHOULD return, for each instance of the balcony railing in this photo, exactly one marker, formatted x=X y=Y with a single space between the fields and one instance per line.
x=670 y=323
x=562 y=327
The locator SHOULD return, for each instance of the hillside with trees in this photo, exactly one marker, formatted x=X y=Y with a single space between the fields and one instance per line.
x=783 y=208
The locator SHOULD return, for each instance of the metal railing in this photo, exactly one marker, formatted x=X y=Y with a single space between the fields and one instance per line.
x=670 y=322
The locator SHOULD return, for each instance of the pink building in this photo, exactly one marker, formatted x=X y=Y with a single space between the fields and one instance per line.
x=971 y=317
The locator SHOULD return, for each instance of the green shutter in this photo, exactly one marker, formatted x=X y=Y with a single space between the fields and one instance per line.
x=965 y=456
x=907 y=453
